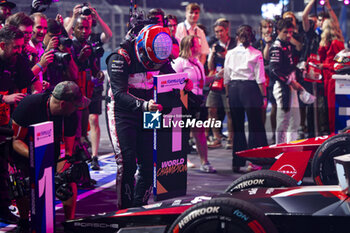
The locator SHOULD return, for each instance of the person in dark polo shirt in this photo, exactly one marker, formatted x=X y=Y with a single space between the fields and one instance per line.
x=60 y=106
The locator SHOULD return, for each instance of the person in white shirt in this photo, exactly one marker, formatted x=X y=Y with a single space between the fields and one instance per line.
x=244 y=78
x=189 y=27
x=188 y=62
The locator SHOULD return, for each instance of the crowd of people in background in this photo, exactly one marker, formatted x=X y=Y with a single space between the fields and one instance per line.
x=237 y=76
x=275 y=64
x=278 y=71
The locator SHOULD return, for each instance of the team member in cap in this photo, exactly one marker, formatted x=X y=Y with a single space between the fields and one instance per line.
x=5 y=11
x=59 y=107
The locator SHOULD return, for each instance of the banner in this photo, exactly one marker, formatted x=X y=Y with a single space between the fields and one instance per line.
x=342 y=101
x=42 y=169
x=170 y=137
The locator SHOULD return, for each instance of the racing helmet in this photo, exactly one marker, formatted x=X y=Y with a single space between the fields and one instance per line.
x=342 y=62
x=153 y=46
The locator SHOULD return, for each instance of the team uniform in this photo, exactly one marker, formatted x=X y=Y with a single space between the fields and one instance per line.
x=130 y=86
x=282 y=70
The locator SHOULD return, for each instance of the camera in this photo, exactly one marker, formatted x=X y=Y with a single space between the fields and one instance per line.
x=65 y=41
x=97 y=49
x=19 y=184
x=41 y=5
x=85 y=9
x=219 y=49
x=77 y=173
x=5 y=134
x=61 y=58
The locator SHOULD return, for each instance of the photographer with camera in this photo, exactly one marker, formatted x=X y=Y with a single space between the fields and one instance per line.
x=90 y=78
x=91 y=14
x=95 y=108
x=38 y=63
x=63 y=67
x=60 y=106
x=16 y=78
x=15 y=75
x=96 y=40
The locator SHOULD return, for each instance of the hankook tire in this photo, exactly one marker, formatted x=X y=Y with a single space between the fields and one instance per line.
x=223 y=215
x=261 y=178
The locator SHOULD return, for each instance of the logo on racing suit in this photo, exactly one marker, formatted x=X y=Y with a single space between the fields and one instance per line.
x=151 y=120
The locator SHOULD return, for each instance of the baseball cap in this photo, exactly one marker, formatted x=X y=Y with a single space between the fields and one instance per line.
x=7 y=3
x=69 y=91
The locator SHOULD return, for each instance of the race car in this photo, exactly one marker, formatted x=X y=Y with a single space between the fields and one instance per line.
x=323 y=208
x=294 y=157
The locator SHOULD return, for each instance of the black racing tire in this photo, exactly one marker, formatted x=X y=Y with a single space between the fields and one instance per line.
x=323 y=167
x=223 y=215
x=261 y=178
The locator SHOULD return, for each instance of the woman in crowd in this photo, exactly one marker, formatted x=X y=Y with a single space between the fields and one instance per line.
x=187 y=62
x=244 y=78
x=332 y=42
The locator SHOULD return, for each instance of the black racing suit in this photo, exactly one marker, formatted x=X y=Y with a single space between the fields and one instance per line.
x=281 y=66
x=282 y=70
x=129 y=87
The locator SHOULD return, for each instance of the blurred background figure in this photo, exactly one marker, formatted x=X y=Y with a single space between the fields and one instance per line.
x=5 y=11
x=158 y=14
x=189 y=27
x=332 y=42
x=217 y=100
x=188 y=62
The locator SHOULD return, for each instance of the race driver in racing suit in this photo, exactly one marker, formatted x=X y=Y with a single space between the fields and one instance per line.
x=130 y=93
x=285 y=88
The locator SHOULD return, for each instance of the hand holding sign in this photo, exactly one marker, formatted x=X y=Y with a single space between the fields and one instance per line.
x=153 y=106
x=189 y=85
